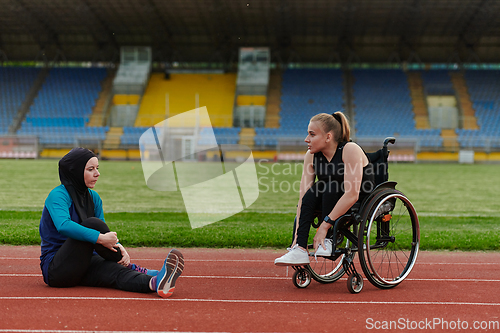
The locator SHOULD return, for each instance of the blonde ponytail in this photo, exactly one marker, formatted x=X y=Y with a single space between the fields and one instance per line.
x=337 y=123
x=345 y=130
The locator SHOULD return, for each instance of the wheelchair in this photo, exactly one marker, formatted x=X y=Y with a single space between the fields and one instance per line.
x=383 y=229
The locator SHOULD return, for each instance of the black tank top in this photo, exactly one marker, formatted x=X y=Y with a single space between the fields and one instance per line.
x=333 y=171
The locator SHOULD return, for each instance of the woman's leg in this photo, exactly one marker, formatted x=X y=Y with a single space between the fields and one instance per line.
x=330 y=198
x=320 y=197
x=104 y=271
x=311 y=202
x=109 y=274
x=70 y=263
x=74 y=264
x=97 y=224
x=72 y=260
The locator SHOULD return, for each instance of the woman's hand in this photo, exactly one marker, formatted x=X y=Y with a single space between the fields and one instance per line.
x=125 y=256
x=319 y=238
x=109 y=240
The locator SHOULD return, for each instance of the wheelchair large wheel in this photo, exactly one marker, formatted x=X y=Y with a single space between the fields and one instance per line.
x=388 y=239
x=328 y=269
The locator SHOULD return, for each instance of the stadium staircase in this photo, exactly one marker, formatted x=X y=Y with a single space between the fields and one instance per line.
x=273 y=100
x=469 y=120
x=252 y=87
x=113 y=138
x=418 y=100
x=98 y=116
x=450 y=139
x=247 y=137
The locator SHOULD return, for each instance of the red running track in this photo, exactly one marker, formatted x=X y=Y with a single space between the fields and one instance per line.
x=224 y=290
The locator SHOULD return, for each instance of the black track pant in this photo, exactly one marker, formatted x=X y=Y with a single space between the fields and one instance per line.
x=75 y=264
x=322 y=197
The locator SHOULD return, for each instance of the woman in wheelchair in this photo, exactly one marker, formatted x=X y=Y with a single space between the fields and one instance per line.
x=337 y=174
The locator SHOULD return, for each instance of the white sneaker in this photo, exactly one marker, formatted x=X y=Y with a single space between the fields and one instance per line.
x=296 y=256
x=322 y=252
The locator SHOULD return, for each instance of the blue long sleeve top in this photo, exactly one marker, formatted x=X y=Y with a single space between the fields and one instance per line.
x=60 y=221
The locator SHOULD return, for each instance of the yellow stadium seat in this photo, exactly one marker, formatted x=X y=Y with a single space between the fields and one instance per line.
x=126 y=99
x=165 y=98
x=251 y=100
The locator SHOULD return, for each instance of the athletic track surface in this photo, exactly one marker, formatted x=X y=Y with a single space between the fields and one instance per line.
x=224 y=290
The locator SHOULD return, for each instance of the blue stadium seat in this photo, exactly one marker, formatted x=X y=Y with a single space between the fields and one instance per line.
x=484 y=90
x=15 y=84
x=64 y=105
x=383 y=107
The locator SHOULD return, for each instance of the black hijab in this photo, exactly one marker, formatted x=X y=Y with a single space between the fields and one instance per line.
x=71 y=169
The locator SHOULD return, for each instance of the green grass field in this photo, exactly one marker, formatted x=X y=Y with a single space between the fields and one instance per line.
x=456 y=205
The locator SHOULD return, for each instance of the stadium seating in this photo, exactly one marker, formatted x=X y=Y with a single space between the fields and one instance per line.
x=381 y=97
x=227 y=135
x=437 y=82
x=215 y=91
x=484 y=90
x=383 y=107
x=63 y=106
x=304 y=93
x=131 y=135
x=15 y=84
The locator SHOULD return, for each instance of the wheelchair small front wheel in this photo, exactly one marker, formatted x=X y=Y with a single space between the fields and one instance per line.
x=355 y=283
x=329 y=269
x=301 y=278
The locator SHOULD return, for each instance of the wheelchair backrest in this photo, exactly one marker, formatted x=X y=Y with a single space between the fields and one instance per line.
x=379 y=161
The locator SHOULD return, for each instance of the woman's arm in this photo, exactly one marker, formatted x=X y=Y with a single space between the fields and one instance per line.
x=354 y=161
x=109 y=239
x=58 y=203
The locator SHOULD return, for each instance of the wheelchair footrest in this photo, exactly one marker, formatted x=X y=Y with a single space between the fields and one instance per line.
x=348 y=265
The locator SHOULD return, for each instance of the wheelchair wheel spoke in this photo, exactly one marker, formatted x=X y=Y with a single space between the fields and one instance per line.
x=392 y=239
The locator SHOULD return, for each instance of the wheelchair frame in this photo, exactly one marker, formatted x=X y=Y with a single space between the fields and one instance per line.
x=374 y=227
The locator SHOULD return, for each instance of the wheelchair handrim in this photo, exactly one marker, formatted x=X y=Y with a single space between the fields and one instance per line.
x=414 y=249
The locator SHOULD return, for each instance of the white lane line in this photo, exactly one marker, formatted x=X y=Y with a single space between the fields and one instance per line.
x=93 y=331
x=271 y=278
x=183 y=276
x=245 y=301
x=270 y=261
x=161 y=259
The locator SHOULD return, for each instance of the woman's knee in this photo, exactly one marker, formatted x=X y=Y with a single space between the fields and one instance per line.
x=96 y=224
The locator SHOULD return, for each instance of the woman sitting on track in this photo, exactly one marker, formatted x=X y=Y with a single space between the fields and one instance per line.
x=344 y=176
x=77 y=246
